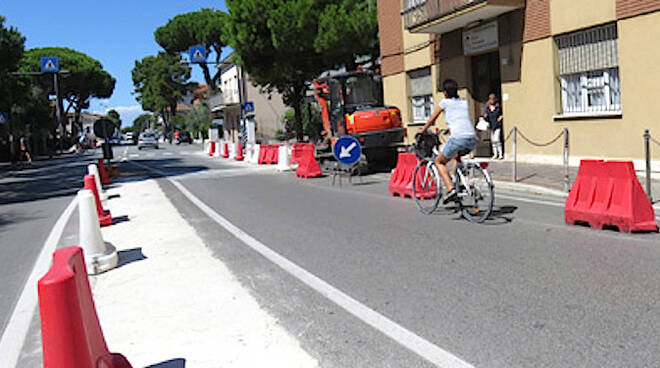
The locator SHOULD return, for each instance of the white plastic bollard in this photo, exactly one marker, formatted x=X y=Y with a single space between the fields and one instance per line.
x=218 y=146
x=254 y=158
x=283 y=158
x=232 y=150
x=92 y=169
x=99 y=255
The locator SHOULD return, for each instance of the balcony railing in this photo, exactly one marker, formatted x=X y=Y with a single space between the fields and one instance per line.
x=419 y=12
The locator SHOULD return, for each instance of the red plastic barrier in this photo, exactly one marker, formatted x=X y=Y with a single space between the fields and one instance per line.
x=105 y=218
x=308 y=167
x=297 y=151
x=70 y=329
x=225 y=150
x=239 y=153
x=401 y=180
x=607 y=193
x=211 y=148
x=268 y=154
x=105 y=179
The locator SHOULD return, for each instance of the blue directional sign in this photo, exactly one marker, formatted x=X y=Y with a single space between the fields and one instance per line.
x=3 y=117
x=50 y=64
x=347 y=150
x=197 y=54
x=248 y=107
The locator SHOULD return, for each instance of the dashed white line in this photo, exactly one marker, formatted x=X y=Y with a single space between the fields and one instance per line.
x=19 y=323
x=393 y=330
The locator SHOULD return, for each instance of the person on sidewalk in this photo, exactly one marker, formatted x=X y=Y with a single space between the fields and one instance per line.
x=494 y=117
x=462 y=136
x=25 y=151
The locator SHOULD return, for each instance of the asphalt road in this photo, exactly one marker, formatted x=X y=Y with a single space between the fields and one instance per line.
x=522 y=290
x=31 y=200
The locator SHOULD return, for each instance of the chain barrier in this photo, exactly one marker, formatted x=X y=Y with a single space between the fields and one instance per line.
x=654 y=140
x=561 y=134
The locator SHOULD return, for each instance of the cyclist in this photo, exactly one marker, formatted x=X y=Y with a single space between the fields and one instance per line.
x=462 y=135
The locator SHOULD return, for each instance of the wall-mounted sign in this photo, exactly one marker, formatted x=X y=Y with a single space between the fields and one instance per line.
x=481 y=38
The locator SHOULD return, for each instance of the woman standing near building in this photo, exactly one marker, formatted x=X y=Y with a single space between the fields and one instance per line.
x=494 y=117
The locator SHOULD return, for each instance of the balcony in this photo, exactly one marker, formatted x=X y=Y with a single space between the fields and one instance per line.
x=441 y=16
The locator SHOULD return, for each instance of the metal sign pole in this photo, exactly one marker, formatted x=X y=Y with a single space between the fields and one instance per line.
x=647 y=152
x=514 y=168
x=567 y=180
x=58 y=112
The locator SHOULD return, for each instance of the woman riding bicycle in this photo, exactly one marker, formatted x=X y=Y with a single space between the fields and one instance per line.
x=462 y=135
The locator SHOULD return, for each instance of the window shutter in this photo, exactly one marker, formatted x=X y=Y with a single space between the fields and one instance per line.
x=592 y=49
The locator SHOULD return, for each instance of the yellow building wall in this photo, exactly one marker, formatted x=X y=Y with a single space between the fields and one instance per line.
x=570 y=15
x=534 y=101
x=395 y=93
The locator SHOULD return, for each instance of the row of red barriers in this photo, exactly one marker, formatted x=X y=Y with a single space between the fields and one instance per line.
x=268 y=154
x=297 y=151
x=105 y=217
x=105 y=178
x=402 y=176
x=608 y=193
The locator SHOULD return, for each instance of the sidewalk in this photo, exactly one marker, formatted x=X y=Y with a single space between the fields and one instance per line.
x=170 y=300
x=547 y=176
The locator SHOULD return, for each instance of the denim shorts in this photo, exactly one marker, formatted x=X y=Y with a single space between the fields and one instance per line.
x=454 y=145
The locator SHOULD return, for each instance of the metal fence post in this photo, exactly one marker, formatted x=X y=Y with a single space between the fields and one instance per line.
x=567 y=179
x=647 y=152
x=514 y=168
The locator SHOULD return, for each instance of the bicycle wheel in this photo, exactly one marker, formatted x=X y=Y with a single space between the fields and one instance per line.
x=426 y=186
x=477 y=203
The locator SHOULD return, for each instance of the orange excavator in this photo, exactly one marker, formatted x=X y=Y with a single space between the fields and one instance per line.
x=352 y=104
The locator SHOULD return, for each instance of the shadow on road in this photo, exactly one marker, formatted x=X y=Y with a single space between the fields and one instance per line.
x=129 y=256
x=174 y=363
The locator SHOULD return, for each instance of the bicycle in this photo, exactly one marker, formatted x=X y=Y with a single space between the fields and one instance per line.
x=474 y=186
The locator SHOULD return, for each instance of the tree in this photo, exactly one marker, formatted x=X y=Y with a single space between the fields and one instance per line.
x=114 y=117
x=274 y=42
x=203 y=27
x=160 y=83
x=142 y=122
x=354 y=20
x=11 y=50
x=86 y=80
x=198 y=120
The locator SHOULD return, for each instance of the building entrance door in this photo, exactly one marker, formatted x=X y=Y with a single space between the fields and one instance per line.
x=485 y=80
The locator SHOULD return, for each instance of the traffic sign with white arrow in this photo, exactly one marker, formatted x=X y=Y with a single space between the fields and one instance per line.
x=3 y=117
x=347 y=150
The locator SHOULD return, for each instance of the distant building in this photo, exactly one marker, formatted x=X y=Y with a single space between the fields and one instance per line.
x=87 y=119
x=236 y=88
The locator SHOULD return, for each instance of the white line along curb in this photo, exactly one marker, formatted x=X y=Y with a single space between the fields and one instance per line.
x=19 y=323
x=396 y=332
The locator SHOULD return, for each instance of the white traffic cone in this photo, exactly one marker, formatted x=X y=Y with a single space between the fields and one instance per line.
x=232 y=150
x=92 y=169
x=99 y=255
x=218 y=146
x=283 y=158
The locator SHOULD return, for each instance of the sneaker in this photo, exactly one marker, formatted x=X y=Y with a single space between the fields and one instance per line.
x=450 y=196
x=494 y=158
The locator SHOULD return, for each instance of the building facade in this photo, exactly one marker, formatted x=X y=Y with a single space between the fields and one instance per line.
x=236 y=89
x=588 y=65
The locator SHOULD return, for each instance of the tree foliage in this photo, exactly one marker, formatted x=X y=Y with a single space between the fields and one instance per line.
x=160 y=83
x=86 y=80
x=284 y=44
x=114 y=117
x=11 y=50
x=354 y=20
x=142 y=122
x=198 y=120
x=203 y=27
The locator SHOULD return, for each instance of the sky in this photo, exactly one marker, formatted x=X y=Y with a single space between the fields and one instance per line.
x=114 y=32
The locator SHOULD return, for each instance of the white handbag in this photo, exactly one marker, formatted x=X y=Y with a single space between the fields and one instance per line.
x=482 y=124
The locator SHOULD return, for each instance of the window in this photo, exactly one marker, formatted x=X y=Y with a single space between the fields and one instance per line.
x=421 y=94
x=589 y=71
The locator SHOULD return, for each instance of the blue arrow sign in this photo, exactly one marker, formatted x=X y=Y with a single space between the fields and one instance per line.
x=197 y=54
x=50 y=64
x=248 y=107
x=3 y=117
x=347 y=150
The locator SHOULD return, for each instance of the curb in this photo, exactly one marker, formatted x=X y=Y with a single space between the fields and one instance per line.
x=529 y=188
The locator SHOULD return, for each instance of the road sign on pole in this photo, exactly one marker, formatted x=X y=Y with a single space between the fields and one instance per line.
x=50 y=64
x=197 y=54
x=248 y=107
x=3 y=117
x=347 y=150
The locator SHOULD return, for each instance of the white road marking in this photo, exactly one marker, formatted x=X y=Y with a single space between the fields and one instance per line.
x=398 y=333
x=133 y=155
x=19 y=323
x=167 y=153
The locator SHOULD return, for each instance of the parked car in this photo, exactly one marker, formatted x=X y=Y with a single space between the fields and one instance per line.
x=128 y=139
x=147 y=140
x=114 y=141
x=184 y=137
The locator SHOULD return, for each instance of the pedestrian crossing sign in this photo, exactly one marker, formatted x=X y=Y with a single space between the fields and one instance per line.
x=50 y=64
x=197 y=54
